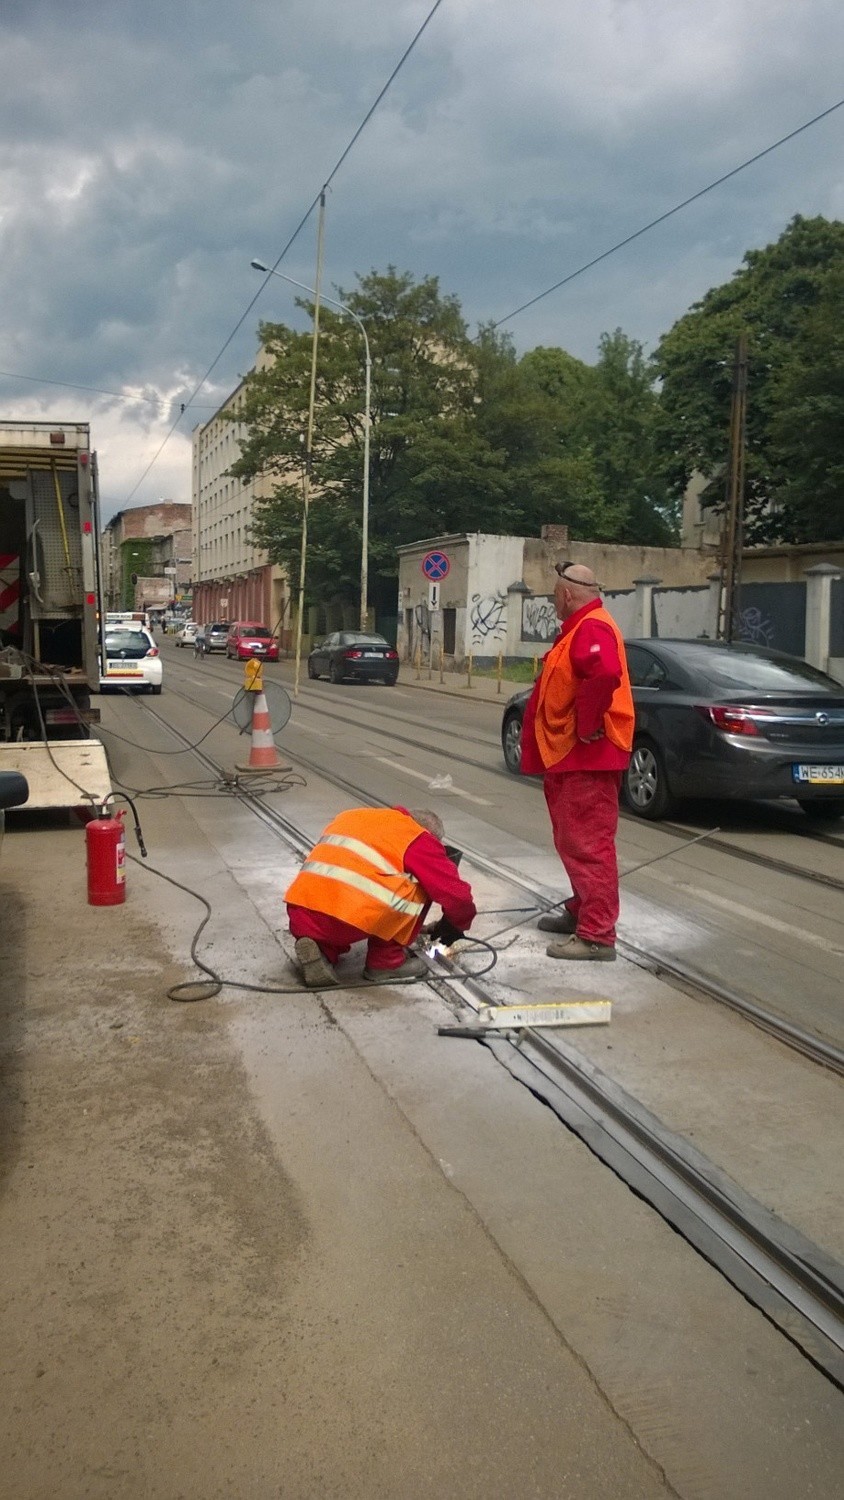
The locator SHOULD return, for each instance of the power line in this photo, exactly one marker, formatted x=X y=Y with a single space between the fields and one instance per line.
x=71 y=385
x=297 y=231
x=628 y=240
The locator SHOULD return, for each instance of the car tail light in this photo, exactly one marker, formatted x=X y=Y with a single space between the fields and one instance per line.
x=392 y=655
x=153 y=651
x=731 y=719
x=351 y=655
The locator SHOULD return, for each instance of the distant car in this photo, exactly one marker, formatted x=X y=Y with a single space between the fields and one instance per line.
x=350 y=653
x=248 y=638
x=723 y=721
x=216 y=636
x=14 y=791
x=131 y=659
x=186 y=634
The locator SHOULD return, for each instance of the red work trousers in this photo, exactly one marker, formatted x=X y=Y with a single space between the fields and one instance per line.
x=584 y=819
x=336 y=938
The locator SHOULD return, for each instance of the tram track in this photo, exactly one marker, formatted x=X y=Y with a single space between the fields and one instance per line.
x=674 y=971
x=795 y=1284
x=714 y=841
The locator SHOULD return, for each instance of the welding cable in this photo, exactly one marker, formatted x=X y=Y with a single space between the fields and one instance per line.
x=206 y=989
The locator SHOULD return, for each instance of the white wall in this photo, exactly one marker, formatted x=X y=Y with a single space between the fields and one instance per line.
x=681 y=614
x=494 y=563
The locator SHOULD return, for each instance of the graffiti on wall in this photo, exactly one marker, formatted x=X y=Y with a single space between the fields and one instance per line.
x=421 y=628
x=539 y=620
x=752 y=625
x=488 y=618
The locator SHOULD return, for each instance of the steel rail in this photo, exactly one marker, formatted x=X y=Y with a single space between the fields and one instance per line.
x=795 y=1284
x=749 y=856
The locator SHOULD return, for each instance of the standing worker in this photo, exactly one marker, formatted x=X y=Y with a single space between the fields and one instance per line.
x=577 y=734
x=371 y=878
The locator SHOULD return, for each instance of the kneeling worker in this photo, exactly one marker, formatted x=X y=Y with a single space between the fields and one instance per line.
x=371 y=878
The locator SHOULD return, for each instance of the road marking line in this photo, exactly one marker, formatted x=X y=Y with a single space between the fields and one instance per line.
x=728 y=904
x=453 y=791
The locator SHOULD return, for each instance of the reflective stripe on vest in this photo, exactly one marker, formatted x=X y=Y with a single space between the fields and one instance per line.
x=362 y=883
x=365 y=851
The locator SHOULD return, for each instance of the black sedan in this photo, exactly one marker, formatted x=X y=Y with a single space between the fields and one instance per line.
x=14 y=791
x=350 y=653
x=714 y=720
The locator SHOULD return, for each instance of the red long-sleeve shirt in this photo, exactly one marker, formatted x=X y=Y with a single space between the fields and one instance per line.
x=595 y=663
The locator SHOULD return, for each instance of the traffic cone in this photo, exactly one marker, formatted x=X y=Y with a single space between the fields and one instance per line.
x=263 y=755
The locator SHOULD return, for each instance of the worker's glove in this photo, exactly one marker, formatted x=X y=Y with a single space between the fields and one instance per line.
x=445 y=932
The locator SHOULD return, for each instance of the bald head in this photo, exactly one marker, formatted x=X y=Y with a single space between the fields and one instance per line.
x=576 y=585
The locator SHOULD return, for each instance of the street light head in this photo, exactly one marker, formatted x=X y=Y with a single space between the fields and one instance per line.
x=258 y=265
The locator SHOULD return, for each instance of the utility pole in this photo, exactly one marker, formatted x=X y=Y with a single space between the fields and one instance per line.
x=309 y=443
x=732 y=533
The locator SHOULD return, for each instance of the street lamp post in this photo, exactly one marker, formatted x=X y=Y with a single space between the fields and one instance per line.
x=258 y=265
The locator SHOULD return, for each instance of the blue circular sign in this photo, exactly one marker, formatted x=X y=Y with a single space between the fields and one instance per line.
x=435 y=566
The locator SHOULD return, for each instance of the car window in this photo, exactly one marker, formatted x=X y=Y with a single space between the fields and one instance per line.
x=260 y=632
x=357 y=638
x=740 y=668
x=332 y=640
x=644 y=669
x=130 y=642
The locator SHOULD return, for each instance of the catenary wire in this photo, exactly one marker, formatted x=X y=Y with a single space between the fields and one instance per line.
x=297 y=231
x=661 y=218
x=72 y=385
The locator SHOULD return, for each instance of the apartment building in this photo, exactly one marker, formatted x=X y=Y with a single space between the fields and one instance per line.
x=147 y=555
x=232 y=580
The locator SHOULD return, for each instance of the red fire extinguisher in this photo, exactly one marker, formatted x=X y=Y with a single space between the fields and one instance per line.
x=105 y=838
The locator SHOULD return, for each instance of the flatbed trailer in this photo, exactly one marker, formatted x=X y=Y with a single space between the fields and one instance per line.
x=50 y=603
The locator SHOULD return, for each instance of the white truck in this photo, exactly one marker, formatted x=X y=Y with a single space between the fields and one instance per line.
x=50 y=612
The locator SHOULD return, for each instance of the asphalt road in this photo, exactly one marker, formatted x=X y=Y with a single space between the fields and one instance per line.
x=272 y=1246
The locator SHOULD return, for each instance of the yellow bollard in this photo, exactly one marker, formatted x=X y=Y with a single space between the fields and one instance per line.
x=430 y=657
x=442 y=658
x=418 y=662
x=535 y=668
x=498 y=689
x=469 y=670
x=253 y=681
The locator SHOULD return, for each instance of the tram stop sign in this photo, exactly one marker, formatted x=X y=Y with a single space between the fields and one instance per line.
x=436 y=566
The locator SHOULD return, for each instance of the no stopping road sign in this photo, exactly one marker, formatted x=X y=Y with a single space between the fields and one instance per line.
x=435 y=565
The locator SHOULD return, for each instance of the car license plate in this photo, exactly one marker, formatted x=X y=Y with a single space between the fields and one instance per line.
x=819 y=775
x=373 y=653
x=124 y=672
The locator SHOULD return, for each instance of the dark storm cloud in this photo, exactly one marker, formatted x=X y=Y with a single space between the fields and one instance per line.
x=150 y=150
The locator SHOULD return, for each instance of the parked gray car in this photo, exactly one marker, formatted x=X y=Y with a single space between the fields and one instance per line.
x=717 y=720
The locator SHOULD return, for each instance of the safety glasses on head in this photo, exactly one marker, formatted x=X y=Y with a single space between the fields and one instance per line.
x=561 y=568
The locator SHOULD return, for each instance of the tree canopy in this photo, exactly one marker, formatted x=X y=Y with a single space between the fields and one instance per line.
x=789 y=298
x=464 y=436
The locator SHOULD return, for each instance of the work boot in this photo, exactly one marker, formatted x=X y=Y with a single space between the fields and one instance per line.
x=317 y=972
x=578 y=947
x=412 y=968
x=562 y=921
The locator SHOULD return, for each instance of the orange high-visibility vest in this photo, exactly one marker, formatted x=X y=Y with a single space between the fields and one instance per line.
x=555 y=725
x=356 y=872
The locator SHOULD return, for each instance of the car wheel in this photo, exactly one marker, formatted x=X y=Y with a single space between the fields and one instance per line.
x=644 y=785
x=335 y=672
x=511 y=743
x=390 y=681
x=156 y=689
x=826 y=811
x=312 y=671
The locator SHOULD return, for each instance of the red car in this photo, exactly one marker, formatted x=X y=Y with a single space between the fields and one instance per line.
x=248 y=638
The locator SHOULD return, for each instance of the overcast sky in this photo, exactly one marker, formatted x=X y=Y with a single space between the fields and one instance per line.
x=149 y=150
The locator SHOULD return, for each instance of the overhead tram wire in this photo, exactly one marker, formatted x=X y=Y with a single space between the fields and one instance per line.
x=661 y=218
x=95 y=390
x=297 y=231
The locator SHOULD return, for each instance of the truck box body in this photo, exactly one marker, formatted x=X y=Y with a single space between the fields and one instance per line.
x=49 y=587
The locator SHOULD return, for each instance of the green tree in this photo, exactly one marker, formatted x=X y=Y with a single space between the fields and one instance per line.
x=777 y=296
x=423 y=450
x=807 y=430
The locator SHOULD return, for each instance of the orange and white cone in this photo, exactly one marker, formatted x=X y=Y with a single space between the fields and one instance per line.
x=263 y=755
